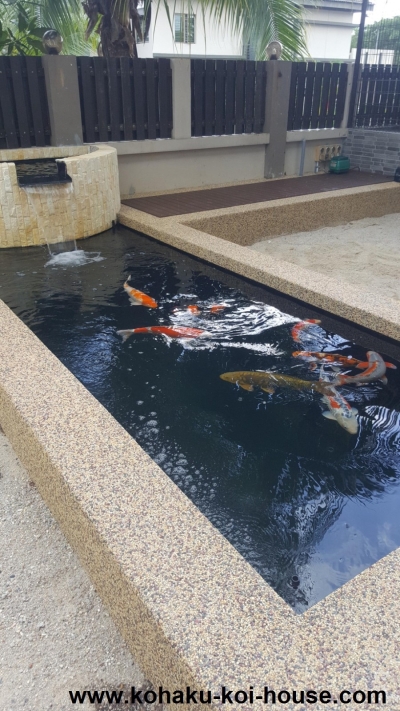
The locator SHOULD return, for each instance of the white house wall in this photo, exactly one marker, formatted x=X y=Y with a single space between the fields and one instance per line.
x=323 y=44
x=329 y=33
x=220 y=40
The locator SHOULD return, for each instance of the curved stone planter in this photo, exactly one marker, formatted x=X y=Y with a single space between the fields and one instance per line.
x=47 y=214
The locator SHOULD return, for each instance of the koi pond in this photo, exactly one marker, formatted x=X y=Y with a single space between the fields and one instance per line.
x=307 y=500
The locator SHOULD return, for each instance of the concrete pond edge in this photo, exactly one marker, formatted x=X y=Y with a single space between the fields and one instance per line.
x=191 y=609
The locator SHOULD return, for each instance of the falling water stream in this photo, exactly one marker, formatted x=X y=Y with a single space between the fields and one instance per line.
x=62 y=251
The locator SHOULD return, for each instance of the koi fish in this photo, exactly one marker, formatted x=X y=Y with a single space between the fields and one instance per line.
x=217 y=308
x=299 y=327
x=194 y=309
x=268 y=382
x=335 y=359
x=138 y=298
x=177 y=332
x=375 y=371
x=340 y=410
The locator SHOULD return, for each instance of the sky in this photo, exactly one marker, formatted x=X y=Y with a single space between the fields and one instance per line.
x=384 y=8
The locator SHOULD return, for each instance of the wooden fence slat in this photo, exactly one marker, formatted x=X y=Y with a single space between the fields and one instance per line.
x=362 y=101
x=259 y=98
x=230 y=97
x=102 y=102
x=332 y=96
x=250 y=78
x=326 y=80
x=140 y=104
x=6 y=105
x=220 y=69
x=390 y=96
x=292 y=97
x=35 y=95
x=319 y=71
x=341 y=95
x=88 y=99
x=308 y=96
x=21 y=101
x=370 y=94
x=209 y=99
x=114 y=97
x=164 y=97
x=377 y=95
x=198 y=84
x=239 y=96
x=125 y=64
x=383 y=107
x=151 y=97
x=396 y=100
x=300 y=89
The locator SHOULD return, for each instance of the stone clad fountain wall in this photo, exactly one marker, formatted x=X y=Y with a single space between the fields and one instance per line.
x=51 y=213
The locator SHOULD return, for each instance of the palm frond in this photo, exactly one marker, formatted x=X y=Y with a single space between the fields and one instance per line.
x=261 y=21
x=57 y=13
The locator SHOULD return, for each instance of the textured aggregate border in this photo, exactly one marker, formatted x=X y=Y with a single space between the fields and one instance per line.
x=221 y=236
x=191 y=609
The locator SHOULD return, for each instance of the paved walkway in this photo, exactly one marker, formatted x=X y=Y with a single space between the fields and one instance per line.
x=55 y=633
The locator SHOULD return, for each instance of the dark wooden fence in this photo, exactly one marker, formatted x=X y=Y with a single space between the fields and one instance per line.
x=317 y=95
x=125 y=99
x=378 y=102
x=228 y=97
x=24 y=116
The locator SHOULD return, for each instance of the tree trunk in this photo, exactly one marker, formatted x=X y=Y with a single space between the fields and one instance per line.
x=116 y=40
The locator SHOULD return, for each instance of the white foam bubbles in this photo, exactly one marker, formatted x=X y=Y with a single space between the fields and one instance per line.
x=74 y=258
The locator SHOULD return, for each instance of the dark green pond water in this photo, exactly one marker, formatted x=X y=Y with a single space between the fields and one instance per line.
x=294 y=492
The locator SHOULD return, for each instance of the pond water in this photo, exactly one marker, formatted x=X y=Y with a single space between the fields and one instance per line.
x=294 y=492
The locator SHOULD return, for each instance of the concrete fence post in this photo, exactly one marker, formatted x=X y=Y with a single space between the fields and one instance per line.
x=61 y=76
x=276 y=116
x=181 y=99
x=350 y=80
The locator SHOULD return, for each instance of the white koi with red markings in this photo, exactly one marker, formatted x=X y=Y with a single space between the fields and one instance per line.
x=376 y=371
x=340 y=410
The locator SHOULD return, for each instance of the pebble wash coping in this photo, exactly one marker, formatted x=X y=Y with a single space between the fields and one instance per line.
x=191 y=609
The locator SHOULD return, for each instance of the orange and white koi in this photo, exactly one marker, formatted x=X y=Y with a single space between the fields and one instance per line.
x=335 y=359
x=340 y=410
x=138 y=298
x=176 y=332
x=299 y=327
x=194 y=309
x=376 y=371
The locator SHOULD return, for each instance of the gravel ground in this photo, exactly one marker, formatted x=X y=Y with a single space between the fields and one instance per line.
x=365 y=252
x=55 y=633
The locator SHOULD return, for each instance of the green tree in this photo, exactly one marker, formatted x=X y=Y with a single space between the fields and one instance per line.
x=23 y=23
x=382 y=35
x=258 y=20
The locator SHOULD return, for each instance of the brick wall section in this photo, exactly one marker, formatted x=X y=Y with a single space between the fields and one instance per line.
x=373 y=151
